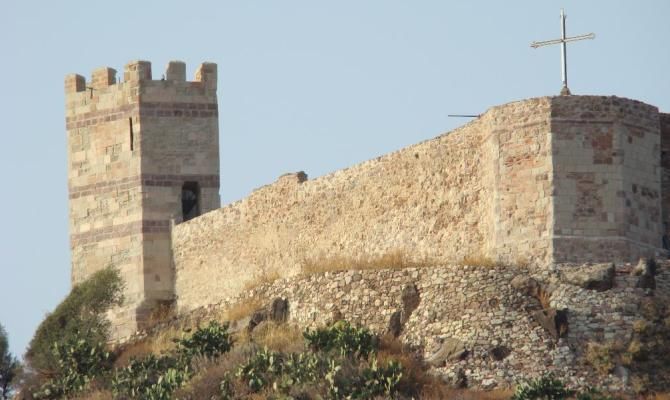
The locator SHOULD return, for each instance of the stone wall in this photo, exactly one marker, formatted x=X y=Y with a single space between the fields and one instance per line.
x=477 y=308
x=481 y=190
x=607 y=179
x=665 y=171
x=552 y=179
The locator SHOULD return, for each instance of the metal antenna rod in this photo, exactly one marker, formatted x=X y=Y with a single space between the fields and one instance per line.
x=464 y=115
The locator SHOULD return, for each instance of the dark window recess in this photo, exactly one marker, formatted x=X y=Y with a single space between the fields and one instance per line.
x=190 y=200
x=132 y=135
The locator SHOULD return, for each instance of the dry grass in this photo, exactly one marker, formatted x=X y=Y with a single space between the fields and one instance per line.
x=97 y=395
x=209 y=374
x=265 y=278
x=440 y=393
x=602 y=356
x=477 y=260
x=241 y=309
x=279 y=337
x=393 y=260
x=161 y=313
x=158 y=343
x=94 y=395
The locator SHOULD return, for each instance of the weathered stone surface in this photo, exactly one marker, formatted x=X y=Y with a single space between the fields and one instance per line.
x=279 y=310
x=598 y=277
x=622 y=373
x=645 y=271
x=499 y=353
x=450 y=350
x=456 y=302
x=276 y=311
x=526 y=284
x=410 y=301
x=458 y=379
x=555 y=322
x=395 y=324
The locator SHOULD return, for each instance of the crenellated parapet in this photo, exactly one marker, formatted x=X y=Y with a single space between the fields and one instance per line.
x=140 y=72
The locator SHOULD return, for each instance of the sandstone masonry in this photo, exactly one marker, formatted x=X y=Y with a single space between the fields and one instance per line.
x=135 y=149
x=538 y=182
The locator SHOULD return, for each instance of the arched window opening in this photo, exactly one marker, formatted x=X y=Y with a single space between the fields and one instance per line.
x=190 y=200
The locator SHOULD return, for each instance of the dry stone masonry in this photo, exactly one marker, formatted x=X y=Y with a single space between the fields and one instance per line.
x=475 y=325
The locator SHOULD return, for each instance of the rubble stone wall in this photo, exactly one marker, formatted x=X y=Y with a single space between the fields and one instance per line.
x=479 y=191
x=476 y=306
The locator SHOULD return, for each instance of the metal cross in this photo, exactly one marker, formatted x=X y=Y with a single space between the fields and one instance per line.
x=563 y=40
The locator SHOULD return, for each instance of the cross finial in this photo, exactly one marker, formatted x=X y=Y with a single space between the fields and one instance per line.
x=563 y=40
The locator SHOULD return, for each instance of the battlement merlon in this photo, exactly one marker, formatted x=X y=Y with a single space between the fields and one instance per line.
x=140 y=71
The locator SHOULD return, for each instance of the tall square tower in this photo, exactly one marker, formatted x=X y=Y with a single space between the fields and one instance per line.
x=143 y=154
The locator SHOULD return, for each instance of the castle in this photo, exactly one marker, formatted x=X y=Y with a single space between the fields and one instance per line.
x=540 y=181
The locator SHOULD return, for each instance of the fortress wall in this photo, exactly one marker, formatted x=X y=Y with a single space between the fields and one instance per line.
x=606 y=179
x=522 y=170
x=434 y=200
x=665 y=171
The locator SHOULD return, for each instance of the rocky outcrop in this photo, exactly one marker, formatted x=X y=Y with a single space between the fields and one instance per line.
x=598 y=277
x=449 y=350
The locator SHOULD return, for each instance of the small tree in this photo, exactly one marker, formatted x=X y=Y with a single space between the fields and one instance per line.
x=9 y=365
x=68 y=349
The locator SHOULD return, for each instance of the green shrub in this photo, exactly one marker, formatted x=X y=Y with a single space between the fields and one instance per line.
x=82 y=311
x=79 y=361
x=150 y=378
x=373 y=381
x=280 y=371
x=210 y=341
x=156 y=378
x=546 y=387
x=343 y=338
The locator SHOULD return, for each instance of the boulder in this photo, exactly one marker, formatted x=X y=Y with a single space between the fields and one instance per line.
x=277 y=311
x=553 y=321
x=410 y=301
x=450 y=350
x=598 y=277
x=527 y=285
x=622 y=373
x=645 y=270
x=395 y=324
x=645 y=266
x=499 y=353
x=457 y=380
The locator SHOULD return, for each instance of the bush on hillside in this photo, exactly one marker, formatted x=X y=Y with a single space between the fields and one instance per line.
x=343 y=338
x=81 y=312
x=80 y=360
x=157 y=377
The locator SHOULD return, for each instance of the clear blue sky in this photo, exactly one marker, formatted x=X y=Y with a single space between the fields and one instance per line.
x=303 y=85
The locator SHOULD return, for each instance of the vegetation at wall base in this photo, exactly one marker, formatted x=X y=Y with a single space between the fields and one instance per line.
x=9 y=366
x=68 y=350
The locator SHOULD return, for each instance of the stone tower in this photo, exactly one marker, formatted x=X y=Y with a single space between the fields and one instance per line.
x=143 y=154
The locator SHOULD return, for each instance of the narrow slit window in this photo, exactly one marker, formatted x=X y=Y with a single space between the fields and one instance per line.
x=132 y=134
x=190 y=200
